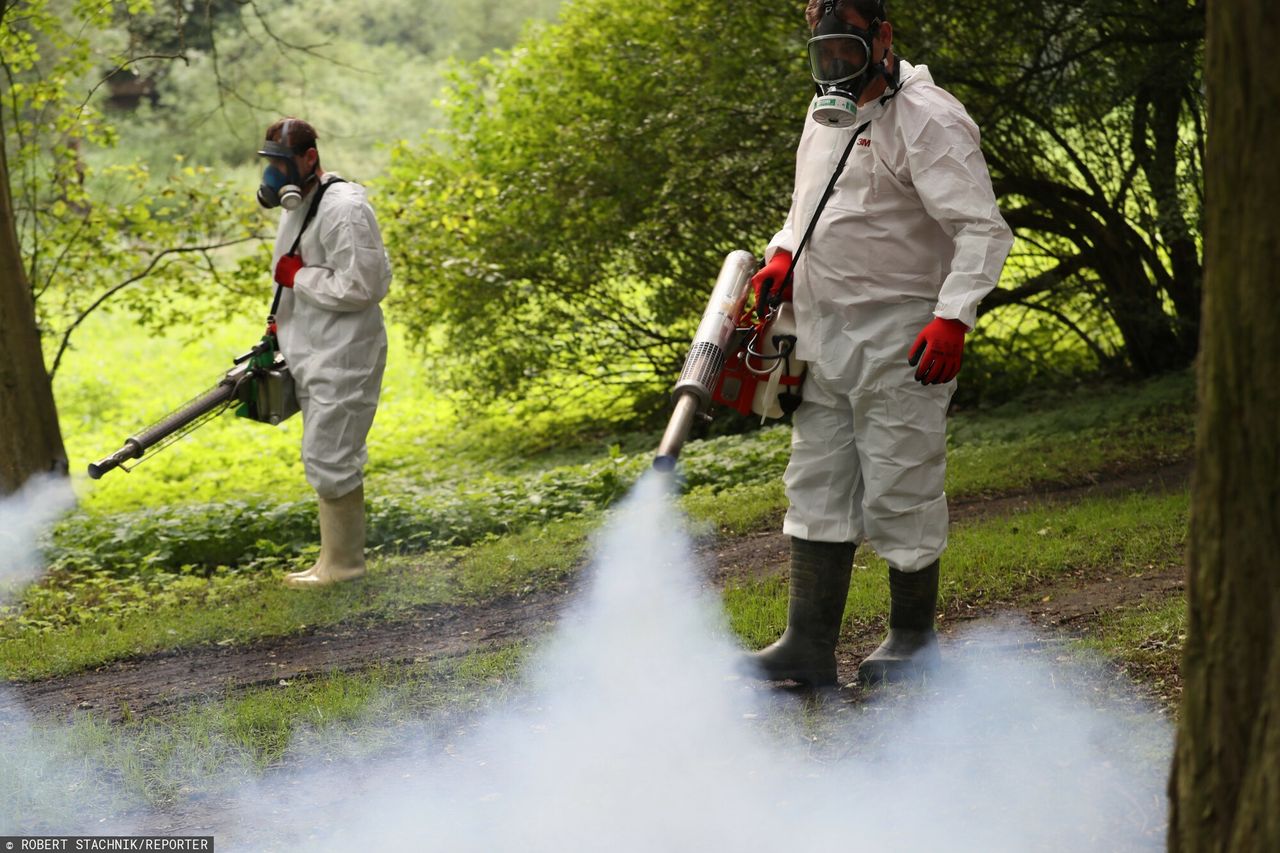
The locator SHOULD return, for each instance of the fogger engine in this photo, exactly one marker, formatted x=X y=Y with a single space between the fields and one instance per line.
x=747 y=366
x=259 y=382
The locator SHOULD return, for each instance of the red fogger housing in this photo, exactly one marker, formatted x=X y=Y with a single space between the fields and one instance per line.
x=753 y=362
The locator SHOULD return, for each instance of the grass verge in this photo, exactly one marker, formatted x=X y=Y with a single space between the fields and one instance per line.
x=992 y=561
x=1146 y=642
x=263 y=607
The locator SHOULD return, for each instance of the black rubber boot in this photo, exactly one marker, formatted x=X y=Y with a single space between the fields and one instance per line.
x=819 y=586
x=911 y=650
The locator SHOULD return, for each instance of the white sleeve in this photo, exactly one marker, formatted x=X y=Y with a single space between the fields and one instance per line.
x=951 y=179
x=355 y=272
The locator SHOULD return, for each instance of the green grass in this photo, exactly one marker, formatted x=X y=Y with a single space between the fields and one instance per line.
x=214 y=747
x=1146 y=640
x=260 y=606
x=1072 y=439
x=992 y=561
x=738 y=509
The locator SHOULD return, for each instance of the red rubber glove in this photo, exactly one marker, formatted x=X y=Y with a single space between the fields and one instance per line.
x=771 y=284
x=286 y=268
x=938 y=349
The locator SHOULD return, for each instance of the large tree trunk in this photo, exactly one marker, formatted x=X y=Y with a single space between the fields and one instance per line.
x=30 y=440
x=1225 y=786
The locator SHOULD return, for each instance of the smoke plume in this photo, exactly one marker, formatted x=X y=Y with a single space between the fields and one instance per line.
x=635 y=735
x=24 y=515
x=41 y=777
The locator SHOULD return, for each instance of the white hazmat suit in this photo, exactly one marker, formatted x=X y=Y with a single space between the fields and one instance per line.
x=331 y=332
x=911 y=231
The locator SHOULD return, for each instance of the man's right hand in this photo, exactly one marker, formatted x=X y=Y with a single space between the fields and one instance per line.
x=771 y=284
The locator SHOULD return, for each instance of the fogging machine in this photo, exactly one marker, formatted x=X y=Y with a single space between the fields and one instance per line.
x=259 y=383
x=746 y=364
x=750 y=367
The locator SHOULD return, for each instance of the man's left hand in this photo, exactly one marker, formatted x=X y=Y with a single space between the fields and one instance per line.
x=286 y=268
x=938 y=350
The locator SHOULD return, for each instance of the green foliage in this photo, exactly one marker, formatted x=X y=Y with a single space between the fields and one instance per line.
x=158 y=226
x=89 y=234
x=86 y=617
x=45 y=56
x=1092 y=118
x=574 y=211
x=1001 y=451
x=578 y=206
x=269 y=531
x=79 y=593
x=364 y=73
x=1017 y=348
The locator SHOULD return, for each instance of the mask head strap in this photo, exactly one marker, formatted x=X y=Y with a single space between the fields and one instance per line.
x=284 y=148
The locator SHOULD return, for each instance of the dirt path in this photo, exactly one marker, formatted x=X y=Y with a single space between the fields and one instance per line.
x=148 y=683
x=151 y=683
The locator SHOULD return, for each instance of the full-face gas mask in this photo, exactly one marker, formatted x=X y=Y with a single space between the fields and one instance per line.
x=842 y=66
x=281 y=188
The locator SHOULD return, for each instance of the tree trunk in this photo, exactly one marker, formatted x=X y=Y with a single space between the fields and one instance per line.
x=30 y=440
x=1225 y=784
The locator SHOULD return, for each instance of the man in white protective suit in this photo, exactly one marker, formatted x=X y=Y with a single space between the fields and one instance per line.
x=330 y=261
x=884 y=290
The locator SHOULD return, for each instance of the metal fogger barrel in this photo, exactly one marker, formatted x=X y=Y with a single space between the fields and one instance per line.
x=260 y=382
x=711 y=343
x=215 y=399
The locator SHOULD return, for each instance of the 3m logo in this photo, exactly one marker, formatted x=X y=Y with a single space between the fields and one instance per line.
x=864 y=142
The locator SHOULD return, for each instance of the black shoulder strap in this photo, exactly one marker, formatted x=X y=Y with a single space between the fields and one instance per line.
x=311 y=210
x=822 y=203
x=306 y=221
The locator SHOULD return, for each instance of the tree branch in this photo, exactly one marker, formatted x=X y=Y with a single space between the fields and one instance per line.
x=1035 y=285
x=150 y=267
x=1062 y=318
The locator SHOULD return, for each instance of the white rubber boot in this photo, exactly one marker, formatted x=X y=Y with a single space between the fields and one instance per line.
x=341 y=543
